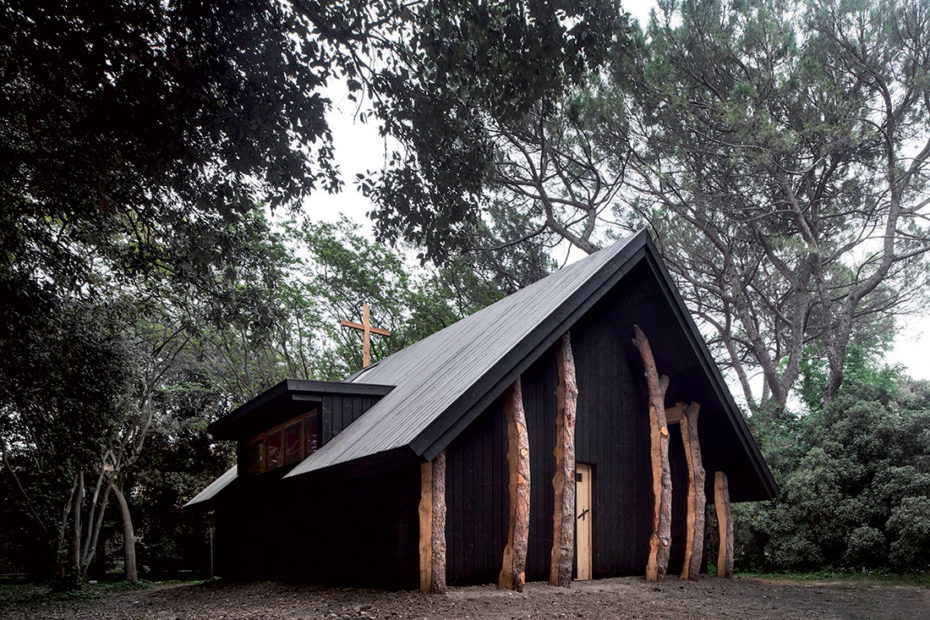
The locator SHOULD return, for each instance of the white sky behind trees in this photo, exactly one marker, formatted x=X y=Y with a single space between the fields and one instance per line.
x=359 y=149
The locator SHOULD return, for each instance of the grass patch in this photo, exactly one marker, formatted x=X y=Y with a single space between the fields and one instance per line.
x=37 y=593
x=864 y=578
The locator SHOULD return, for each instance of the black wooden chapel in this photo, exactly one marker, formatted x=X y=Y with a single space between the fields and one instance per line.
x=347 y=482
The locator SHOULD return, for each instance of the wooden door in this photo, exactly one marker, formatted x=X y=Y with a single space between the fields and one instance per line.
x=584 y=521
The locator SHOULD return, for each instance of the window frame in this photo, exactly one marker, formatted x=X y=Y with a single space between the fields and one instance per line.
x=304 y=420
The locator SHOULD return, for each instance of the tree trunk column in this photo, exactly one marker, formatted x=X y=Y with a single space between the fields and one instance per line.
x=438 y=525
x=724 y=525
x=660 y=542
x=432 y=511
x=513 y=568
x=694 y=546
x=563 y=480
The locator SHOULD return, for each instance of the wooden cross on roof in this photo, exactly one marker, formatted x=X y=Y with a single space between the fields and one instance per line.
x=366 y=330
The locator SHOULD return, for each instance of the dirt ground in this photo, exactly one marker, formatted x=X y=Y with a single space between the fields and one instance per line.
x=629 y=597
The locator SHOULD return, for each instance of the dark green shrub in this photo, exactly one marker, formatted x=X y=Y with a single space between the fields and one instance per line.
x=909 y=530
x=866 y=548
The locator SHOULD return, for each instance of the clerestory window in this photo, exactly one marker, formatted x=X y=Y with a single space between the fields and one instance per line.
x=285 y=444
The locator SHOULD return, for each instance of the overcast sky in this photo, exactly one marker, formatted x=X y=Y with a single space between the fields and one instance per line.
x=359 y=148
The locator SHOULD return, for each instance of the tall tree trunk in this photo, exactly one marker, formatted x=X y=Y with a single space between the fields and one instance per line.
x=836 y=352
x=563 y=479
x=660 y=542
x=438 y=524
x=95 y=523
x=76 y=533
x=61 y=550
x=129 y=536
x=513 y=566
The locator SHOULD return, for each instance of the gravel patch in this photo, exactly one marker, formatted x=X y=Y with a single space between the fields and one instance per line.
x=628 y=597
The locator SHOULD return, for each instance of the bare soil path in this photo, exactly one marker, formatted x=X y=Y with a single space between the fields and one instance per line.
x=629 y=597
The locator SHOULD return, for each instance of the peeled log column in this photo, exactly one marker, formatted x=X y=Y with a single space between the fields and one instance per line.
x=432 y=513
x=700 y=498
x=694 y=546
x=724 y=525
x=513 y=569
x=661 y=540
x=563 y=480
x=426 y=526
x=438 y=522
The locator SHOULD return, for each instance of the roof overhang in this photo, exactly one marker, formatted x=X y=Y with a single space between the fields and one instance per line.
x=205 y=497
x=283 y=401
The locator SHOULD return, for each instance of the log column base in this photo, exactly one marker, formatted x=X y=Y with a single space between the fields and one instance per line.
x=513 y=565
x=660 y=541
x=724 y=525
x=432 y=512
x=563 y=480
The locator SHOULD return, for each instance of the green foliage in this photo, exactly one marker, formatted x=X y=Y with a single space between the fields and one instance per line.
x=866 y=547
x=855 y=490
x=909 y=526
x=475 y=67
x=859 y=366
x=864 y=578
x=141 y=134
x=339 y=271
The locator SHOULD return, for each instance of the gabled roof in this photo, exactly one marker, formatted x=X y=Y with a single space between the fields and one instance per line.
x=447 y=379
x=439 y=379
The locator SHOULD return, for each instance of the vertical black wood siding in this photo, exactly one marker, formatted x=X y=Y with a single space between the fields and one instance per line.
x=360 y=532
x=476 y=500
x=612 y=435
x=341 y=410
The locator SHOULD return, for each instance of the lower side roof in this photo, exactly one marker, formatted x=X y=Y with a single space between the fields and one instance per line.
x=213 y=489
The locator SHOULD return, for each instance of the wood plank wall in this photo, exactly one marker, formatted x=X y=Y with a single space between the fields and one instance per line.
x=295 y=530
x=477 y=500
x=341 y=410
x=612 y=434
